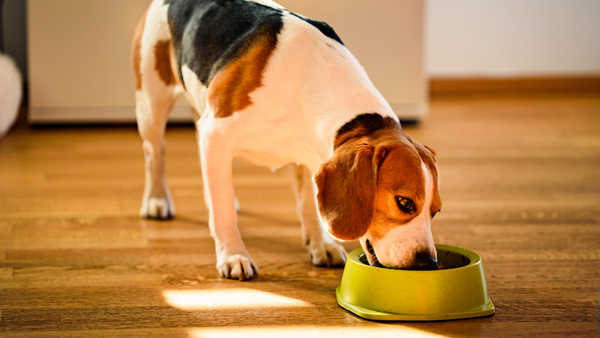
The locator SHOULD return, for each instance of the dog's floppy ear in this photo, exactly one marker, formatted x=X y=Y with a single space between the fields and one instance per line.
x=347 y=187
x=428 y=156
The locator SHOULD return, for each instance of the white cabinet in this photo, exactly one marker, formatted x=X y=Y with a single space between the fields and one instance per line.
x=79 y=54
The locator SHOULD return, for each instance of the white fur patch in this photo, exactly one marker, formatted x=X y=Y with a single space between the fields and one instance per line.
x=267 y=3
x=157 y=23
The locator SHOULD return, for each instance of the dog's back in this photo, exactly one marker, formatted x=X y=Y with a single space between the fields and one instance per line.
x=208 y=35
x=254 y=56
x=205 y=36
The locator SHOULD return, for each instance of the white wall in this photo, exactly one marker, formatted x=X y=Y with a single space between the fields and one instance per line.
x=504 y=38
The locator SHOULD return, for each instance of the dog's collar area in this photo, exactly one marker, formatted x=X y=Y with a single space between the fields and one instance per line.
x=371 y=252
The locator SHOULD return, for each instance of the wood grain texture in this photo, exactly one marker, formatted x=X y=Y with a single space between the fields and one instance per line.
x=520 y=182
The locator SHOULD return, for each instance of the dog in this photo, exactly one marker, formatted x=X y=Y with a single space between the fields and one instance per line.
x=275 y=88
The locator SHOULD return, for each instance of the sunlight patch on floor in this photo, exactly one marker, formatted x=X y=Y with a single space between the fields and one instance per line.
x=309 y=331
x=228 y=298
x=256 y=331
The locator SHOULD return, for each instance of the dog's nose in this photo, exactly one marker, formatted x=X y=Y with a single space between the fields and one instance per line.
x=425 y=261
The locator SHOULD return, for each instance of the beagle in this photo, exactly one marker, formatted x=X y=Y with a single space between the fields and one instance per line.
x=274 y=87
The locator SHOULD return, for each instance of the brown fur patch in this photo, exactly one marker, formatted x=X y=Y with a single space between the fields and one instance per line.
x=358 y=189
x=230 y=90
x=162 y=55
x=428 y=156
x=400 y=174
x=363 y=125
x=136 y=51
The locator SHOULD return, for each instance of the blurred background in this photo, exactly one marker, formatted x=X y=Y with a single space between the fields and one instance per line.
x=74 y=55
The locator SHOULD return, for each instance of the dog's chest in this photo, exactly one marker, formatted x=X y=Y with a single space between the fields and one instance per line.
x=273 y=146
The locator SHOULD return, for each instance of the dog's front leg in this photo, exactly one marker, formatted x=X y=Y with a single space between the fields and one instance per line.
x=322 y=249
x=233 y=260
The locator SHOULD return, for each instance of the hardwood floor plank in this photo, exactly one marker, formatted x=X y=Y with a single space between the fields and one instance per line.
x=519 y=182
x=6 y=274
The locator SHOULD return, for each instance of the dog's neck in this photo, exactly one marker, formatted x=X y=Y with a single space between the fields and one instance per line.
x=364 y=125
x=338 y=91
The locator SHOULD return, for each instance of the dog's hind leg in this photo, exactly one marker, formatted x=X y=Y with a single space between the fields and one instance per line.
x=155 y=95
x=322 y=249
x=151 y=115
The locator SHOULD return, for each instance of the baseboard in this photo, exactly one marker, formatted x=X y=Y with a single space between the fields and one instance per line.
x=93 y=115
x=441 y=86
x=410 y=111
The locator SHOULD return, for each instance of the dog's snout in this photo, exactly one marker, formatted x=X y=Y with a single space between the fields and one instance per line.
x=425 y=261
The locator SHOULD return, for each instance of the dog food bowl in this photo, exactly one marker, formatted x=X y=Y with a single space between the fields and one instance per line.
x=416 y=295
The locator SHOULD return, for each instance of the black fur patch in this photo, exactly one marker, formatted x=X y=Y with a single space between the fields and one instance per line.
x=322 y=26
x=370 y=122
x=209 y=34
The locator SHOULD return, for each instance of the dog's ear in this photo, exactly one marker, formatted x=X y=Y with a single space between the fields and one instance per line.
x=430 y=150
x=428 y=156
x=347 y=187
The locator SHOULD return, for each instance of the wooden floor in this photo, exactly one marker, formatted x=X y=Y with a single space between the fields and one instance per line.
x=520 y=182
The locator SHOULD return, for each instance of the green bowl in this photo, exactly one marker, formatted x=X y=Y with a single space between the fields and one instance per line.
x=415 y=295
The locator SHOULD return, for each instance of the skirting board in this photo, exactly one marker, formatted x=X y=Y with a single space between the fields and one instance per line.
x=126 y=114
x=410 y=111
x=441 y=86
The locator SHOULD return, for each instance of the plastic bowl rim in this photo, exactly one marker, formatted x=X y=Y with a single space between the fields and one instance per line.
x=474 y=258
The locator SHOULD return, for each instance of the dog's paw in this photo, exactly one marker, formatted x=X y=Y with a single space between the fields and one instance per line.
x=238 y=266
x=328 y=254
x=157 y=208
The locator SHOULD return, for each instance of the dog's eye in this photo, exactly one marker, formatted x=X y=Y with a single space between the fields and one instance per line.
x=405 y=204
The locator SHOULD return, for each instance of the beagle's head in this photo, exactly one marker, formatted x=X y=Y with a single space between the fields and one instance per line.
x=381 y=187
